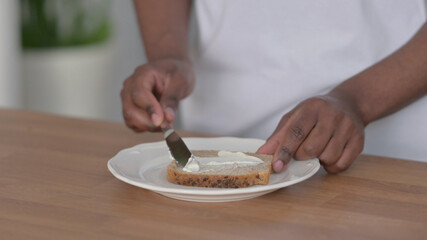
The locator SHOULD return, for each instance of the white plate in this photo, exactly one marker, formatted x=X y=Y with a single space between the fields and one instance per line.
x=145 y=166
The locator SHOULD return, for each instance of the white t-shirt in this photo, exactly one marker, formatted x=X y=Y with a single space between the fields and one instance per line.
x=255 y=60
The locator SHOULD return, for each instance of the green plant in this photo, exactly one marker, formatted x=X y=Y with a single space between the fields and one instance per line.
x=61 y=23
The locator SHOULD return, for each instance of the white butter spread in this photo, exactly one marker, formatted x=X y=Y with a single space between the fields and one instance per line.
x=224 y=160
x=192 y=165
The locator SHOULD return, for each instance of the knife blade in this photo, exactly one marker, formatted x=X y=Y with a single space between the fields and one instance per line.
x=176 y=146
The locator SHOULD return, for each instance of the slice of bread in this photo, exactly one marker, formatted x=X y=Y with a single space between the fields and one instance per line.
x=228 y=178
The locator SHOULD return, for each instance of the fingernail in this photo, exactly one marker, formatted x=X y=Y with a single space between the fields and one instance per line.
x=156 y=119
x=170 y=112
x=164 y=125
x=277 y=166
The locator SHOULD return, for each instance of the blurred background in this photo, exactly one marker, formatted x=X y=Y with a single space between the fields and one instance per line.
x=70 y=57
x=67 y=57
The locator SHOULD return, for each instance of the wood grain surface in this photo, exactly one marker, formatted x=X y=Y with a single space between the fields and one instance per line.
x=54 y=184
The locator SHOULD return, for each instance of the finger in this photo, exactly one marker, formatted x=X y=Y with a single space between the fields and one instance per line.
x=317 y=140
x=135 y=118
x=337 y=143
x=292 y=135
x=171 y=96
x=273 y=142
x=142 y=96
x=351 y=151
x=139 y=121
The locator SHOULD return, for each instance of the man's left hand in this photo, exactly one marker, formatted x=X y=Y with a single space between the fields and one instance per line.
x=325 y=127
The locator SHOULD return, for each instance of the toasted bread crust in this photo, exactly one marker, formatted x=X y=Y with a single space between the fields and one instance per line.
x=216 y=181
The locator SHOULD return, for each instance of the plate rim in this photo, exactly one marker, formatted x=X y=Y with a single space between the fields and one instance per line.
x=207 y=191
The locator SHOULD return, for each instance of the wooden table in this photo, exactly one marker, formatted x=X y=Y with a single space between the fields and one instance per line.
x=54 y=184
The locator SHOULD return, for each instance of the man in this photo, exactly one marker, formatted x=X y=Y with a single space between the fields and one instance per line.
x=322 y=70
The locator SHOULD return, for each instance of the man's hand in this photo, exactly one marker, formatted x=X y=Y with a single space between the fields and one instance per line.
x=326 y=127
x=331 y=127
x=152 y=94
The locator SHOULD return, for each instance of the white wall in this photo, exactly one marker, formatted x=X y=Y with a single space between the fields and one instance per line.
x=127 y=47
x=10 y=85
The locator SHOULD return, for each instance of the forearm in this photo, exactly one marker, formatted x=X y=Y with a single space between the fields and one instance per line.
x=390 y=84
x=164 y=27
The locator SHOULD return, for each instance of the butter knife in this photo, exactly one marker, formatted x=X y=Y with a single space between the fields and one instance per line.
x=177 y=147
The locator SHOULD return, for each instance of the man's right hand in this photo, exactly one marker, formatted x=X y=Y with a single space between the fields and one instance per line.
x=151 y=95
